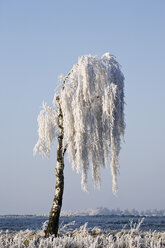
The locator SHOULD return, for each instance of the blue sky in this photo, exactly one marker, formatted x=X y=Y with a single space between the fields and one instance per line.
x=40 y=40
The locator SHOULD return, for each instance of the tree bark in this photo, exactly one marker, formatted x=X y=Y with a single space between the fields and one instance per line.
x=53 y=224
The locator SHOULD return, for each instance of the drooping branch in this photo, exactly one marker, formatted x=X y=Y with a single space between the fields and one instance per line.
x=93 y=105
x=92 y=102
x=47 y=130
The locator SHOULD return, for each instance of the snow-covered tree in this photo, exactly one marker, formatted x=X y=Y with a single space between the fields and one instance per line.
x=88 y=119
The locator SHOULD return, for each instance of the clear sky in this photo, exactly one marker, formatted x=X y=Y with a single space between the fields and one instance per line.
x=40 y=40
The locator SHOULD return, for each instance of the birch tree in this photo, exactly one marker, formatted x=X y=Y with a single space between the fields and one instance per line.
x=87 y=117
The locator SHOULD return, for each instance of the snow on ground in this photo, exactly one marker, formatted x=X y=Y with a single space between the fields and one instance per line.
x=84 y=238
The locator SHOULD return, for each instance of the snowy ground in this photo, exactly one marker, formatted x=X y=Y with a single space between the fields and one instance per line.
x=83 y=238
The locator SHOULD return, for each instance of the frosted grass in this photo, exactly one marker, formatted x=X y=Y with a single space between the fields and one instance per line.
x=84 y=238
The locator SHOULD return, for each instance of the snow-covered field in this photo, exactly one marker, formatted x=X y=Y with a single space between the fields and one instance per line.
x=100 y=228
x=83 y=237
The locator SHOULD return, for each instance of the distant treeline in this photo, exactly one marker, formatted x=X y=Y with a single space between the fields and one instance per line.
x=106 y=211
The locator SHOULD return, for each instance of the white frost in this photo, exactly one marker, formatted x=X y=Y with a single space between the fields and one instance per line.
x=92 y=102
x=47 y=124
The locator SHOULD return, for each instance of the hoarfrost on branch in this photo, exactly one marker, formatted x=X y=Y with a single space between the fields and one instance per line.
x=92 y=102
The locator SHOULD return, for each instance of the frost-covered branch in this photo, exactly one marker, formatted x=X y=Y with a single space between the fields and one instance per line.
x=92 y=103
x=47 y=127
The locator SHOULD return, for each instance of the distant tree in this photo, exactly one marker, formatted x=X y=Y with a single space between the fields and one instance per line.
x=88 y=119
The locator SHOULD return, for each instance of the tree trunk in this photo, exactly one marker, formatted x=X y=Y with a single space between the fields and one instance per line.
x=53 y=224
